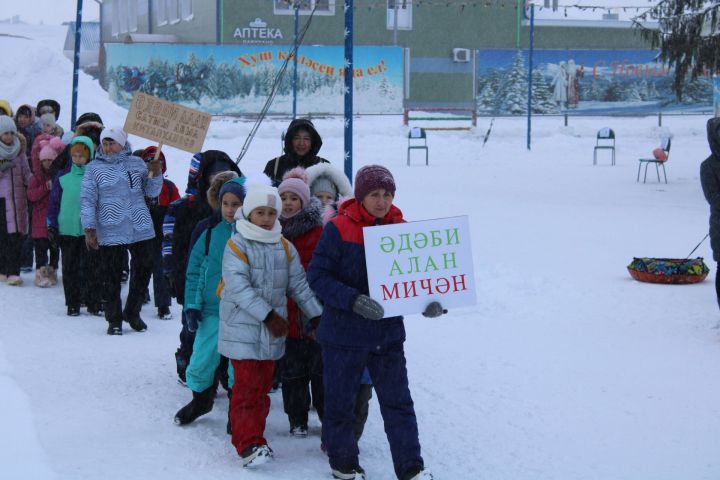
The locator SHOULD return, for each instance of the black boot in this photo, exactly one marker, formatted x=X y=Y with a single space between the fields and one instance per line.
x=181 y=362
x=132 y=316
x=228 y=428
x=201 y=404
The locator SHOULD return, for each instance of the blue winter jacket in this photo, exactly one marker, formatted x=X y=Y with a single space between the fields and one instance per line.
x=112 y=198
x=337 y=274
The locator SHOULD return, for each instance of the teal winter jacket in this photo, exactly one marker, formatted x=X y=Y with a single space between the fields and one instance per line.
x=204 y=269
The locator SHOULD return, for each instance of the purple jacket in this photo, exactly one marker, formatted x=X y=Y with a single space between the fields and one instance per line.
x=13 y=193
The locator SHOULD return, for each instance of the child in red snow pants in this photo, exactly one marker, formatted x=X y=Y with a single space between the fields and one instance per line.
x=250 y=403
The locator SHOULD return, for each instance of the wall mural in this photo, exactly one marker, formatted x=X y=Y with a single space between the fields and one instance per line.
x=236 y=79
x=592 y=82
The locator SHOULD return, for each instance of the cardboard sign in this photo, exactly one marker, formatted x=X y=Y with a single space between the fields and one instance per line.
x=412 y=264
x=167 y=123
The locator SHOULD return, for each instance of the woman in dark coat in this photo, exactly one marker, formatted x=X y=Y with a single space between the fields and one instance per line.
x=710 y=180
x=302 y=144
x=355 y=334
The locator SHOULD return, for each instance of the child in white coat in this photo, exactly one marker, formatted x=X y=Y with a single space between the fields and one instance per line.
x=260 y=269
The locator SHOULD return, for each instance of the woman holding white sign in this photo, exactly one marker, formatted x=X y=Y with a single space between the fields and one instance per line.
x=354 y=334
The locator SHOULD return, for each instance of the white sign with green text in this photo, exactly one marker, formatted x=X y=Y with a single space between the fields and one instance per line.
x=412 y=264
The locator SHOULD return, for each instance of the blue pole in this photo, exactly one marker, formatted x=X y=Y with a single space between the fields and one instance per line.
x=294 y=81
x=530 y=69
x=76 y=64
x=348 y=87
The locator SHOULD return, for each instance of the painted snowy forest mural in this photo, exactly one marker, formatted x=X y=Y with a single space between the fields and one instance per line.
x=587 y=81
x=234 y=79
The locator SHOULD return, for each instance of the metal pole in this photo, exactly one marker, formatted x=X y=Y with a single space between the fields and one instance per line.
x=348 y=87
x=76 y=64
x=519 y=23
x=395 y=21
x=530 y=66
x=294 y=80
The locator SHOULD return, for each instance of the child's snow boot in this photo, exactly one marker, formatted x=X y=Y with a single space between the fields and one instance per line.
x=298 y=427
x=351 y=473
x=41 y=279
x=164 y=313
x=417 y=473
x=201 y=404
x=256 y=455
x=52 y=276
x=136 y=323
x=95 y=309
x=114 y=328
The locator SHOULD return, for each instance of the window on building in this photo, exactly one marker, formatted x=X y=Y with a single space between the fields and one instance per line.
x=115 y=9
x=305 y=7
x=173 y=10
x=161 y=12
x=404 y=14
x=132 y=15
x=124 y=16
x=186 y=9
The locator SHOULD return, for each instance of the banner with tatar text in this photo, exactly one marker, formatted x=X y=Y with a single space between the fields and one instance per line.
x=412 y=264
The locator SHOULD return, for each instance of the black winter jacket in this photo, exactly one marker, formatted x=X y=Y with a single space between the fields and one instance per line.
x=710 y=180
x=276 y=168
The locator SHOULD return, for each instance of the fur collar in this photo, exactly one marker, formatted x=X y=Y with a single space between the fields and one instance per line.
x=305 y=220
x=335 y=175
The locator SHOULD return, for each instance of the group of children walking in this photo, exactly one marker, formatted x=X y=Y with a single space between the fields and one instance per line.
x=235 y=252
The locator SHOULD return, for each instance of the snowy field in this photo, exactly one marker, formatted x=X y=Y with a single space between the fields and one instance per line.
x=565 y=369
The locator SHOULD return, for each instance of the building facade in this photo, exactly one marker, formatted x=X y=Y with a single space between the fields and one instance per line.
x=447 y=51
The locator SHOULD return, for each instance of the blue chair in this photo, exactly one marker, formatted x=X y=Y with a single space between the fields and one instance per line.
x=605 y=141
x=417 y=140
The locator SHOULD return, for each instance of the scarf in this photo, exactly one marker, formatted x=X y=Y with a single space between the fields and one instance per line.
x=8 y=153
x=251 y=231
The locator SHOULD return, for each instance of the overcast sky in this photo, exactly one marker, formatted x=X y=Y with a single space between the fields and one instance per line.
x=58 y=11
x=48 y=11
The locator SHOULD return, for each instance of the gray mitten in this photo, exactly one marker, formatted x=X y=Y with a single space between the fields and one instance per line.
x=433 y=310
x=368 y=308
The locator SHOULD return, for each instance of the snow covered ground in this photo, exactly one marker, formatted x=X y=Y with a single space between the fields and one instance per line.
x=565 y=369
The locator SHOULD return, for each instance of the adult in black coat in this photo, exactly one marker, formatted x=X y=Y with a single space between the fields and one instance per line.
x=710 y=180
x=302 y=144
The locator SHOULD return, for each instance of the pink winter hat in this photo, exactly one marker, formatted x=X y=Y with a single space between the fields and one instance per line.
x=295 y=181
x=51 y=149
x=372 y=177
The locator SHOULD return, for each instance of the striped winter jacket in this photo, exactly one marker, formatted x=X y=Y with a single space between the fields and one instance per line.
x=112 y=198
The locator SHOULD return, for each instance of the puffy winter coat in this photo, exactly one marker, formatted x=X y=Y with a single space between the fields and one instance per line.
x=303 y=230
x=204 y=269
x=31 y=131
x=13 y=194
x=64 y=205
x=112 y=198
x=39 y=194
x=337 y=275
x=257 y=277
x=184 y=214
x=276 y=168
x=710 y=180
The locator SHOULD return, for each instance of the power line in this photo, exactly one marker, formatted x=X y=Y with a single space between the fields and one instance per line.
x=274 y=88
